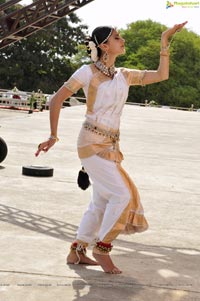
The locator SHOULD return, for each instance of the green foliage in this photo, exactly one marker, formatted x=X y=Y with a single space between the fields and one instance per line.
x=142 y=52
x=43 y=60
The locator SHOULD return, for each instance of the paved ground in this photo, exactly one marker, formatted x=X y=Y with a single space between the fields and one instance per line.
x=39 y=216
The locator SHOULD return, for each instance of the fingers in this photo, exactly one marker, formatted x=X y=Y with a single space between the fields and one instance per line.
x=37 y=153
x=44 y=147
x=171 y=31
x=178 y=27
x=40 y=148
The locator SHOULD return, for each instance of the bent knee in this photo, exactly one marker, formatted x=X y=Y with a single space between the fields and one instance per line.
x=123 y=197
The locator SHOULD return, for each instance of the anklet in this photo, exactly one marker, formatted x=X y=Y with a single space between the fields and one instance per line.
x=79 y=249
x=103 y=247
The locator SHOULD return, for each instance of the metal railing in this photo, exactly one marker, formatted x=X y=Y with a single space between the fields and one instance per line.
x=20 y=100
x=38 y=101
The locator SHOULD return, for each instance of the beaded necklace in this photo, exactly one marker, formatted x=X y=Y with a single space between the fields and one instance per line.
x=108 y=71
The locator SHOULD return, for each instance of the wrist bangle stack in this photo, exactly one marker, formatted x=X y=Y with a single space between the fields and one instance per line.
x=164 y=51
x=52 y=137
x=165 y=48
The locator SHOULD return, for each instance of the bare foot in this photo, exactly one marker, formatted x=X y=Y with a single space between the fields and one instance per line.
x=106 y=263
x=72 y=258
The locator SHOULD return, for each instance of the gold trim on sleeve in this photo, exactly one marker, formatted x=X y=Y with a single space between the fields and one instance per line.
x=133 y=76
x=73 y=85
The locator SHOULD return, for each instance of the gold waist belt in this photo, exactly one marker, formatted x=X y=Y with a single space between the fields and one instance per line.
x=99 y=131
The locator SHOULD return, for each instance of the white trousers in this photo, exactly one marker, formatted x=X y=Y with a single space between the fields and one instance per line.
x=110 y=196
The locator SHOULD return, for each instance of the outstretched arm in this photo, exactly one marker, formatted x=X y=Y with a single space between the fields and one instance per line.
x=162 y=73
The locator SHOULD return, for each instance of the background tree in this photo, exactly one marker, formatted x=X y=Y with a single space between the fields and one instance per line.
x=42 y=60
x=142 y=52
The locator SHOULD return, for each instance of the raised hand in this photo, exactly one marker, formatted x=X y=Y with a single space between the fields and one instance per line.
x=171 y=31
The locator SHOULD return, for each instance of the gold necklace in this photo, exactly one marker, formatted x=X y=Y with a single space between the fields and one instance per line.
x=108 y=71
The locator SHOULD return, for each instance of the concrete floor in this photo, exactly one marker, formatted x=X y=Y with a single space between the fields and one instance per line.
x=39 y=216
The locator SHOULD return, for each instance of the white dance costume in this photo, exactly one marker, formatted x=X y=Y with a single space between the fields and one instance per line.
x=115 y=205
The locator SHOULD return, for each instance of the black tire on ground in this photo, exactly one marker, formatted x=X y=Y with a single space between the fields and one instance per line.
x=37 y=171
x=3 y=150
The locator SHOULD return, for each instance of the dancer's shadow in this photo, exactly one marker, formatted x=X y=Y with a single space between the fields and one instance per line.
x=150 y=272
x=38 y=223
x=94 y=284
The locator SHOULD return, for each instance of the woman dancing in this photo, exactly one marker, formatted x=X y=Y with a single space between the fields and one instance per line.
x=115 y=206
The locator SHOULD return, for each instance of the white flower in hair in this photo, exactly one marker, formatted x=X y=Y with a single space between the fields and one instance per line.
x=94 y=53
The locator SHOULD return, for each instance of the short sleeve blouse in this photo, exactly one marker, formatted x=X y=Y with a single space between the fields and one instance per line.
x=110 y=95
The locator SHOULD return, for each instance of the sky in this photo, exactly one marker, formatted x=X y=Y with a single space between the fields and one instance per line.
x=121 y=13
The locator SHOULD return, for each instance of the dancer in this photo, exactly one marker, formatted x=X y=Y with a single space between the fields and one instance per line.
x=115 y=206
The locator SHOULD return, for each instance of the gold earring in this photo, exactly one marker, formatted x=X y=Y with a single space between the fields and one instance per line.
x=105 y=57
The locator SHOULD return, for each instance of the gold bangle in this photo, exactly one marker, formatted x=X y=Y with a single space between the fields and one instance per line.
x=165 y=48
x=164 y=53
x=52 y=137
